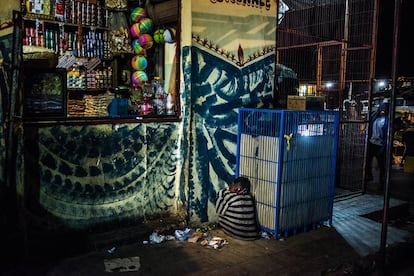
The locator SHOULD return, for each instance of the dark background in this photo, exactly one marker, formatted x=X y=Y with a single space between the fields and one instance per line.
x=405 y=57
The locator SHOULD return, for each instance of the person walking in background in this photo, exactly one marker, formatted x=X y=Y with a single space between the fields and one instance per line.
x=408 y=141
x=236 y=210
x=377 y=143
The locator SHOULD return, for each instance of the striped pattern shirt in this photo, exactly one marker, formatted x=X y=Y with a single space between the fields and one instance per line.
x=237 y=215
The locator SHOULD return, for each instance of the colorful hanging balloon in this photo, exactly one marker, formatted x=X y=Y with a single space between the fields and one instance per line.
x=146 y=41
x=137 y=47
x=139 y=63
x=139 y=77
x=137 y=14
x=145 y=25
x=134 y=30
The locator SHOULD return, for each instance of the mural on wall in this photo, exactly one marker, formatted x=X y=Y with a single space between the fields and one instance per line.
x=233 y=57
x=95 y=174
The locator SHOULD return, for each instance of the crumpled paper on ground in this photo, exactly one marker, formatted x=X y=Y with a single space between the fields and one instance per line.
x=122 y=264
x=158 y=238
x=214 y=242
x=183 y=234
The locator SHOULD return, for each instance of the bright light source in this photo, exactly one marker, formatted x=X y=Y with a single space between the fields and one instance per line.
x=310 y=129
x=329 y=85
x=381 y=84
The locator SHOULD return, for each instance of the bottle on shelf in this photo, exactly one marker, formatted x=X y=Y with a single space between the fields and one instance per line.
x=147 y=105
x=170 y=104
x=160 y=97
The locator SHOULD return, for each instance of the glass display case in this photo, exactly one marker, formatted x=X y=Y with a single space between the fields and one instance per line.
x=44 y=93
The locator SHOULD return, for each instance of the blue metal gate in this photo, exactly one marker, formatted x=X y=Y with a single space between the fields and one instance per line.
x=290 y=158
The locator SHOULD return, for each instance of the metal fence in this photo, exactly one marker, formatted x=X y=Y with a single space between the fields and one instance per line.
x=331 y=45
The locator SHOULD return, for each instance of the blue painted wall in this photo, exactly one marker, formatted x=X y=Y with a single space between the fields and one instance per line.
x=213 y=123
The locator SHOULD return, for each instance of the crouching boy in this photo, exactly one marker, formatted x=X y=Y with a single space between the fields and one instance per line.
x=236 y=210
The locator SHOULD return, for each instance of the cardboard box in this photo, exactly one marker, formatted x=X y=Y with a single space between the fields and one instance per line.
x=315 y=103
x=305 y=102
x=409 y=164
x=296 y=102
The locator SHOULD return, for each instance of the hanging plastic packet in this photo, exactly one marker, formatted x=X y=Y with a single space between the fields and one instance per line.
x=119 y=33
x=116 y=4
x=60 y=10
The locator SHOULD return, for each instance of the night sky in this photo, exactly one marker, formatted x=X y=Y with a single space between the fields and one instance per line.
x=405 y=60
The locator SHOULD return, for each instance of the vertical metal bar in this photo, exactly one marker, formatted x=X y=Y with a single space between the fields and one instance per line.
x=371 y=84
x=238 y=141
x=333 y=164
x=374 y=40
x=390 y=133
x=319 y=71
x=279 y=170
x=344 y=50
x=277 y=57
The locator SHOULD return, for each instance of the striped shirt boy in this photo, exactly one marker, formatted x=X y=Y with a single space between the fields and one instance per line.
x=237 y=214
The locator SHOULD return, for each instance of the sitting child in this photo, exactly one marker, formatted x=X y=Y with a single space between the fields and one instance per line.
x=236 y=210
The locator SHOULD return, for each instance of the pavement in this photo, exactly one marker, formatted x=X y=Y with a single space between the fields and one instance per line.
x=312 y=253
x=129 y=251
